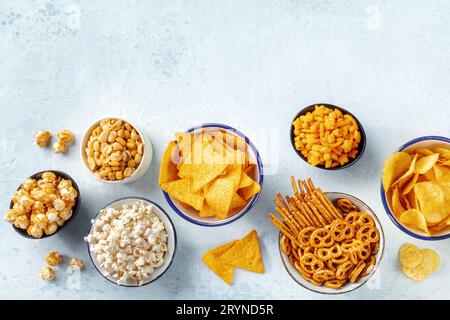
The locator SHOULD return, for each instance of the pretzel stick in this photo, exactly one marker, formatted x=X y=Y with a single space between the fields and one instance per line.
x=290 y=224
x=314 y=210
x=298 y=206
x=327 y=203
x=294 y=185
x=311 y=214
x=284 y=230
x=297 y=212
x=311 y=185
x=323 y=210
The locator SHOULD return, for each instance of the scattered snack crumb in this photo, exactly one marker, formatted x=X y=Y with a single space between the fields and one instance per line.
x=47 y=274
x=59 y=147
x=53 y=259
x=66 y=136
x=76 y=263
x=42 y=138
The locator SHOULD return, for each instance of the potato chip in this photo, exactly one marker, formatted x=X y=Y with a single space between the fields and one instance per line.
x=412 y=199
x=404 y=179
x=214 y=262
x=430 y=264
x=168 y=171
x=431 y=261
x=432 y=202
x=183 y=191
x=426 y=163
x=394 y=167
x=410 y=256
x=248 y=192
x=410 y=184
x=246 y=254
x=416 y=274
x=443 y=152
x=424 y=151
x=397 y=206
x=415 y=219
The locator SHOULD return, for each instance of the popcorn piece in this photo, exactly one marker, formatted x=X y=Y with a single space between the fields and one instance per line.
x=59 y=147
x=48 y=177
x=59 y=204
x=22 y=222
x=12 y=215
x=51 y=228
x=66 y=136
x=76 y=263
x=40 y=220
x=29 y=184
x=35 y=231
x=128 y=244
x=53 y=259
x=66 y=214
x=47 y=274
x=42 y=138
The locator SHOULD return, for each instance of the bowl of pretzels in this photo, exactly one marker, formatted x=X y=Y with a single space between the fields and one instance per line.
x=329 y=242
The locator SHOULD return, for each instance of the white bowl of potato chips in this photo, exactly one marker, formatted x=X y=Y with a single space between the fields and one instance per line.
x=211 y=175
x=415 y=188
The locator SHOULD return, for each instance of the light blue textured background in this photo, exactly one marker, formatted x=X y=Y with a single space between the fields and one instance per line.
x=169 y=65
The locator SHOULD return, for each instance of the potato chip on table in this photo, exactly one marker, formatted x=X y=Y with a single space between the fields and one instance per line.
x=209 y=170
x=418 y=264
x=417 y=186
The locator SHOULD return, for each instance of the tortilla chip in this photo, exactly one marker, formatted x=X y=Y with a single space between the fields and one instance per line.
x=248 y=192
x=246 y=181
x=219 y=194
x=237 y=202
x=168 y=171
x=207 y=211
x=213 y=261
x=246 y=254
x=183 y=191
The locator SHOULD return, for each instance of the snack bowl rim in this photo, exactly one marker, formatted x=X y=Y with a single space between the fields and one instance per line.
x=250 y=204
x=75 y=209
x=172 y=227
x=354 y=286
x=361 y=146
x=385 y=201
x=143 y=167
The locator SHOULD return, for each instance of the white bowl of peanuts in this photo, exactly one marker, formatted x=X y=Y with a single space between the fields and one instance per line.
x=115 y=151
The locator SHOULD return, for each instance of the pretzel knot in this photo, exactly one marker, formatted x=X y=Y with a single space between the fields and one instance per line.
x=324 y=254
x=321 y=238
x=368 y=234
x=310 y=264
x=352 y=217
x=335 y=284
x=305 y=235
x=366 y=218
x=342 y=230
x=323 y=275
x=346 y=206
x=344 y=270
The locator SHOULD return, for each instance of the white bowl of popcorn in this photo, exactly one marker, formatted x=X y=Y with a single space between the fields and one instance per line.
x=132 y=242
x=115 y=151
